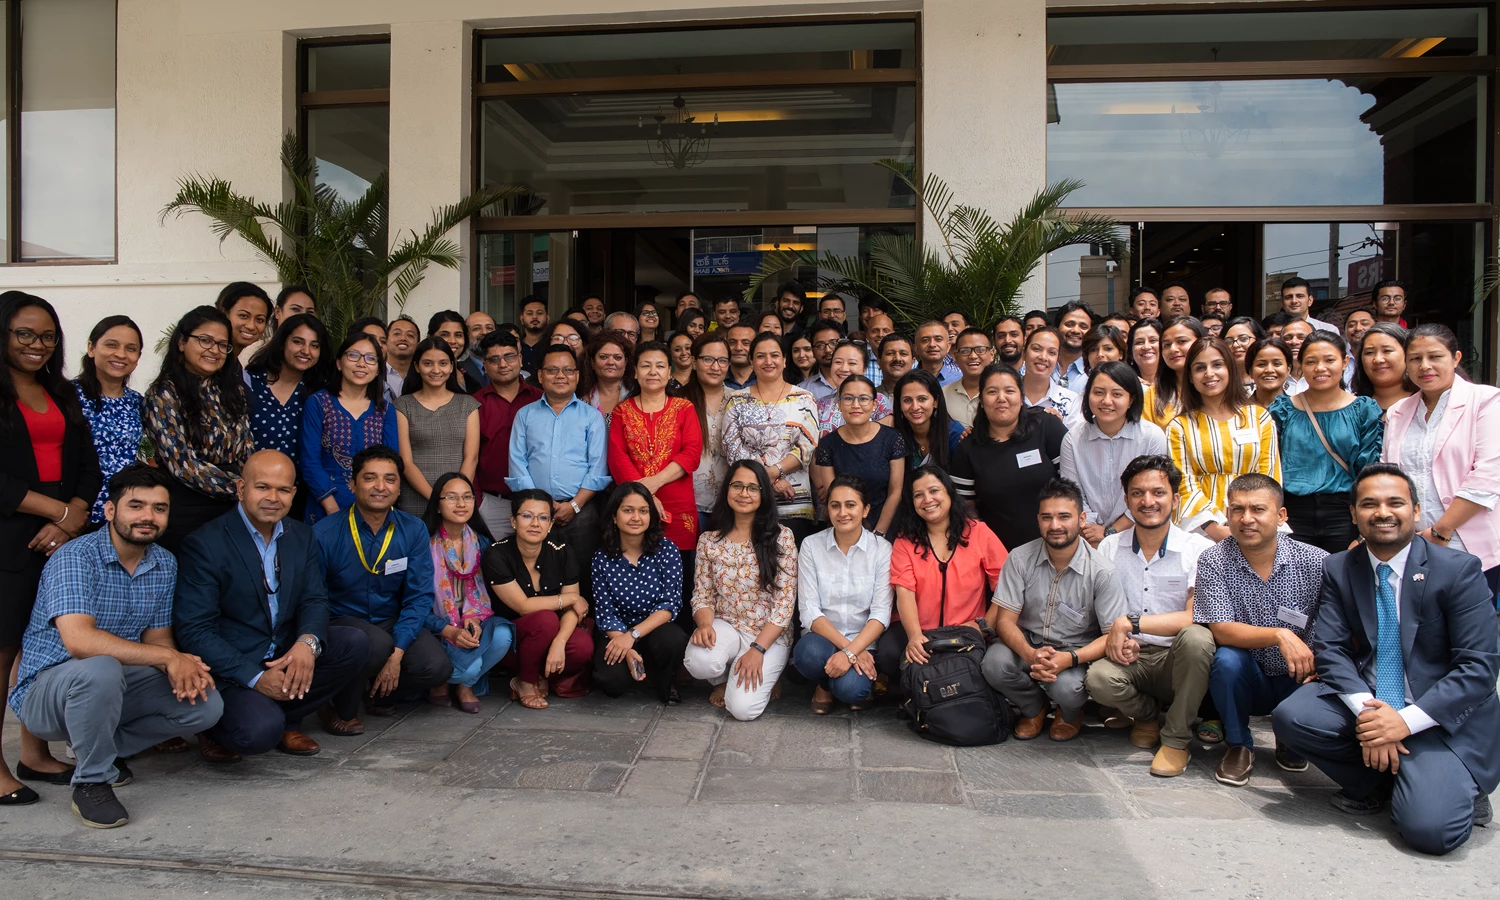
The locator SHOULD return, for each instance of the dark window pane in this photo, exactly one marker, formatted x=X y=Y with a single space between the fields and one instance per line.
x=773 y=148
x=348 y=67
x=351 y=146
x=692 y=51
x=4 y=137
x=68 y=130
x=1257 y=36
x=1307 y=142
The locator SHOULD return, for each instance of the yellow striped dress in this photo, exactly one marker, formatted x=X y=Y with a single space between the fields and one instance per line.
x=1211 y=454
x=1150 y=414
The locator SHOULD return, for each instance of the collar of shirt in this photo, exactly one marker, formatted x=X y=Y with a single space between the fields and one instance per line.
x=573 y=400
x=830 y=543
x=1078 y=563
x=957 y=389
x=1061 y=373
x=1128 y=431
x=255 y=535
x=1397 y=564
x=1166 y=544
x=107 y=553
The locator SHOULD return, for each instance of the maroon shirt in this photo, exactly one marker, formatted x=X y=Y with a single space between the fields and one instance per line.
x=496 y=416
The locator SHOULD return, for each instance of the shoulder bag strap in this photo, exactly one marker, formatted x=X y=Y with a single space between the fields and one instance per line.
x=1318 y=430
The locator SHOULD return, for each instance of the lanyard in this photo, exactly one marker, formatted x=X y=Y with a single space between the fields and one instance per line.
x=390 y=529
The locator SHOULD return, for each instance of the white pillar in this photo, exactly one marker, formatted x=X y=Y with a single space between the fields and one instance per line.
x=984 y=106
x=431 y=97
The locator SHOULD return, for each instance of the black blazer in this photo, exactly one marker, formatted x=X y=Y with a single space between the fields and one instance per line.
x=80 y=477
x=1448 y=644
x=222 y=612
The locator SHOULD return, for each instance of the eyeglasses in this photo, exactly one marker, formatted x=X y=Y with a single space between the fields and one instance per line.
x=648 y=314
x=505 y=360
x=714 y=360
x=567 y=338
x=26 y=337
x=353 y=356
x=858 y=399
x=554 y=370
x=204 y=340
x=457 y=498
x=1238 y=339
x=736 y=487
x=965 y=352
x=826 y=345
x=537 y=518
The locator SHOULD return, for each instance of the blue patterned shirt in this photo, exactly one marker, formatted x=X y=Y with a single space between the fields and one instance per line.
x=1227 y=589
x=84 y=576
x=626 y=594
x=276 y=426
x=116 y=425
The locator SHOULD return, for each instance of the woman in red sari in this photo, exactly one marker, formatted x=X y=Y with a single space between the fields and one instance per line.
x=655 y=439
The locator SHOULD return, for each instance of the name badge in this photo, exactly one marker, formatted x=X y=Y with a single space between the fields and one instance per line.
x=1292 y=617
x=1068 y=612
x=1029 y=458
x=1173 y=585
x=393 y=566
x=1244 y=435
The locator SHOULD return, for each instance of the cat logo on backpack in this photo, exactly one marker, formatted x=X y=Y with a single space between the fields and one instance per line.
x=949 y=690
x=946 y=699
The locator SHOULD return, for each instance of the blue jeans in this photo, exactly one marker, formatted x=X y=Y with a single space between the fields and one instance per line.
x=811 y=654
x=1241 y=689
x=471 y=666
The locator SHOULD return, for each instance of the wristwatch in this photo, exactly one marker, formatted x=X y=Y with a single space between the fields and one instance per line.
x=635 y=634
x=852 y=657
x=313 y=644
x=576 y=508
x=1074 y=654
x=1135 y=624
x=1110 y=530
x=755 y=646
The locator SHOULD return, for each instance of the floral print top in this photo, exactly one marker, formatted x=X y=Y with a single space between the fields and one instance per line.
x=712 y=466
x=727 y=580
x=208 y=461
x=768 y=433
x=116 y=426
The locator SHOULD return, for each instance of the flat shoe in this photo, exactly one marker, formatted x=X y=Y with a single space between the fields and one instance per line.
x=214 y=752
x=27 y=773
x=21 y=796
x=469 y=706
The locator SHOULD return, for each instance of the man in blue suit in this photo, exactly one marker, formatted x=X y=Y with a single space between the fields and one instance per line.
x=251 y=603
x=1405 y=708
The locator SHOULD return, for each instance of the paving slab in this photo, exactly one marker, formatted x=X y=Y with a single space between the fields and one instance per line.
x=439 y=726
x=565 y=717
x=891 y=745
x=680 y=740
x=1014 y=805
x=805 y=743
x=662 y=782
x=1032 y=766
x=1185 y=802
x=738 y=784
x=553 y=760
x=903 y=786
x=405 y=756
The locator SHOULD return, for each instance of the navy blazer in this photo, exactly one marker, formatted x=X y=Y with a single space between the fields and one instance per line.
x=222 y=613
x=1448 y=644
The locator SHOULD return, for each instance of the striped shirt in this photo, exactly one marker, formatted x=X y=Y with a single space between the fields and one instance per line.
x=1211 y=454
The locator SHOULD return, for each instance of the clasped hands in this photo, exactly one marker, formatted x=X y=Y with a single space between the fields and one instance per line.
x=1381 y=729
x=288 y=676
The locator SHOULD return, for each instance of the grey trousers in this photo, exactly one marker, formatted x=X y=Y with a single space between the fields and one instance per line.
x=1173 y=678
x=1006 y=673
x=109 y=710
x=495 y=511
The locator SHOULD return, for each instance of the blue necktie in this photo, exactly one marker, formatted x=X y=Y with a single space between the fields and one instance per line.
x=1390 y=674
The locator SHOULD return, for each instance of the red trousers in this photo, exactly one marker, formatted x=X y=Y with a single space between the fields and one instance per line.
x=534 y=635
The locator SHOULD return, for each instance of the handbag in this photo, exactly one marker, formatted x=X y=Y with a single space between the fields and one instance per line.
x=1318 y=430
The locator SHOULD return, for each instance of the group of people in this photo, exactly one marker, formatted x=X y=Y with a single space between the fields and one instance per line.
x=600 y=500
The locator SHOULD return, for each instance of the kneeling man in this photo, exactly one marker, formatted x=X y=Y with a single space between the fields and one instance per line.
x=1404 y=708
x=251 y=603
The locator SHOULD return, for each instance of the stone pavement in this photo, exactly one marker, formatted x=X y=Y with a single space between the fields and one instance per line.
x=600 y=797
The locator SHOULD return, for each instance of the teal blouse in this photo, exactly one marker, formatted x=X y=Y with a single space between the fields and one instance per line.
x=1355 y=433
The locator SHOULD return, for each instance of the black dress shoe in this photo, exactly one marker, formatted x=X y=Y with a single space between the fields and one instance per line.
x=1483 y=812
x=19 y=797
x=1350 y=806
x=27 y=773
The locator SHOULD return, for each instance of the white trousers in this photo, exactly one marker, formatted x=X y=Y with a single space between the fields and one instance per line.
x=716 y=666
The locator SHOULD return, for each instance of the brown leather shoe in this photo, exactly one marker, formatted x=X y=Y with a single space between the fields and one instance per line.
x=295 y=743
x=1169 y=762
x=1234 y=768
x=215 y=752
x=1063 y=730
x=1028 y=728
x=1145 y=734
x=339 y=727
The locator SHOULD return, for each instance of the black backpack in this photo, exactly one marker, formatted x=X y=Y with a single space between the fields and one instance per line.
x=946 y=699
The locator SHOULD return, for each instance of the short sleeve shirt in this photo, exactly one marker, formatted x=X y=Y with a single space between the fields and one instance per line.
x=1158 y=585
x=870 y=461
x=556 y=567
x=1064 y=609
x=1229 y=590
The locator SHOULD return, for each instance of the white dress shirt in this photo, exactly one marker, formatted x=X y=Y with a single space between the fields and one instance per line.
x=1094 y=461
x=1061 y=399
x=847 y=589
x=1159 y=585
x=1417 y=450
x=1415 y=718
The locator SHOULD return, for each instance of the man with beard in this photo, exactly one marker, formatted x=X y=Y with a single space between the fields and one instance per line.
x=1055 y=599
x=476 y=325
x=99 y=668
x=534 y=322
x=1008 y=341
x=593 y=312
x=1073 y=322
x=1404 y=709
x=1166 y=656
x=1390 y=302
x=831 y=308
x=973 y=353
x=791 y=300
x=741 y=373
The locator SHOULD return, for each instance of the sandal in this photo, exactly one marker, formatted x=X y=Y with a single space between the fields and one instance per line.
x=820 y=706
x=673 y=698
x=533 y=700
x=716 y=696
x=1211 y=731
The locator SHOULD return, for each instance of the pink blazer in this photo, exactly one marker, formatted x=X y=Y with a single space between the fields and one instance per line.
x=1465 y=455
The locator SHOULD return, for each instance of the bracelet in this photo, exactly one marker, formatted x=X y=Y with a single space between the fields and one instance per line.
x=1445 y=538
x=66 y=509
x=1074 y=654
x=755 y=646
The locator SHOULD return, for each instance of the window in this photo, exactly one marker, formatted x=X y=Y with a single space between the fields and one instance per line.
x=346 y=111
x=60 y=126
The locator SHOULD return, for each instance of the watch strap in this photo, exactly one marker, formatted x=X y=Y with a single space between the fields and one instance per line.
x=758 y=647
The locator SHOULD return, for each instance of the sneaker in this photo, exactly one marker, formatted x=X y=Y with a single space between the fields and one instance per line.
x=123 y=775
x=1289 y=761
x=1348 y=805
x=96 y=805
x=1483 y=812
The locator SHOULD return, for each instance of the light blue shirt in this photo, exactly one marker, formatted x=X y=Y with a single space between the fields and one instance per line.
x=1074 y=378
x=818 y=386
x=270 y=569
x=560 y=452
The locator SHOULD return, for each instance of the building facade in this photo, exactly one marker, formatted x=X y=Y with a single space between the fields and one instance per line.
x=665 y=146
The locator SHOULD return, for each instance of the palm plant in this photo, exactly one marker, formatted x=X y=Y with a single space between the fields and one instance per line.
x=339 y=249
x=976 y=265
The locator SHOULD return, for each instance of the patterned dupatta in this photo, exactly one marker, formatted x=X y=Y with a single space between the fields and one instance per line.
x=461 y=598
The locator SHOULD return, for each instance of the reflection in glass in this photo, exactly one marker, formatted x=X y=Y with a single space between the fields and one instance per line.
x=773 y=148
x=351 y=146
x=4 y=137
x=502 y=283
x=1242 y=37
x=1355 y=254
x=694 y=51
x=348 y=67
x=68 y=130
x=1293 y=142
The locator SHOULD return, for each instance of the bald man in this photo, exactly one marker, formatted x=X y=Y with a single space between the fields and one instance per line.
x=251 y=603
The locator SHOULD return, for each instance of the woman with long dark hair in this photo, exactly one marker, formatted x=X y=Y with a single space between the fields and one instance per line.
x=692 y=322
x=1103 y=344
x=1096 y=451
x=436 y=423
x=474 y=638
x=197 y=416
x=681 y=347
x=1380 y=365
x=637 y=595
x=1144 y=341
x=49 y=477
x=1268 y=364
x=604 y=371
x=1239 y=333
x=291 y=367
x=650 y=318
x=1164 y=394
x=775 y=424
x=113 y=410
x=248 y=308
x=801 y=362
x=705 y=390
x=744 y=594
x=343 y=419
x=921 y=414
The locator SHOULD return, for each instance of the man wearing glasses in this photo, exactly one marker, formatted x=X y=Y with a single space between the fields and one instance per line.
x=972 y=351
x=558 y=445
x=499 y=402
x=1217 y=302
x=825 y=337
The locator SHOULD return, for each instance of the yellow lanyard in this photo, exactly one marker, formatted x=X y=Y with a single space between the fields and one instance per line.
x=390 y=529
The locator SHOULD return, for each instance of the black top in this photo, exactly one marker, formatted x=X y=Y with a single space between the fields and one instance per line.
x=871 y=461
x=1003 y=479
x=556 y=567
x=18 y=475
